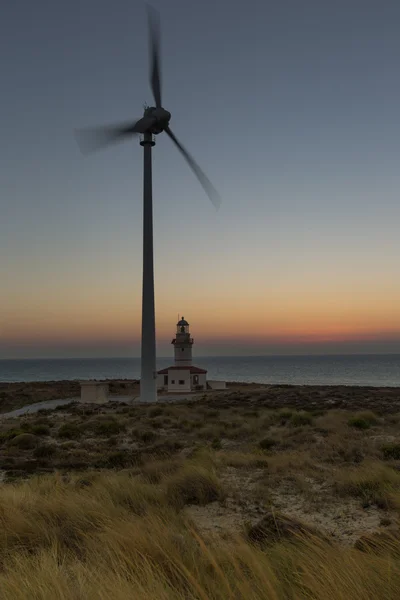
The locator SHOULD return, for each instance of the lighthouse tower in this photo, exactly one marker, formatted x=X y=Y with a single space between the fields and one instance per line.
x=182 y=376
x=183 y=344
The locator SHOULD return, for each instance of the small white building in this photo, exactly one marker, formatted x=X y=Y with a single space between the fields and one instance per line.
x=182 y=376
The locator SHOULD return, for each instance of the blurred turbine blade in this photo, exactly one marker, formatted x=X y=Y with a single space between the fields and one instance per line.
x=95 y=138
x=201 y=176
x=155 y=59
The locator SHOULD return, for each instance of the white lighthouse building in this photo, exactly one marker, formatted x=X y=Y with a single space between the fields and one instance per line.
x=182 y=376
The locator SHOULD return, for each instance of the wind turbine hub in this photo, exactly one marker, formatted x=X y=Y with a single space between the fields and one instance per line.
x=162 y=117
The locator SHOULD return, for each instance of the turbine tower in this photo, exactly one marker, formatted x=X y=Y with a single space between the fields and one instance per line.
x=155 y=120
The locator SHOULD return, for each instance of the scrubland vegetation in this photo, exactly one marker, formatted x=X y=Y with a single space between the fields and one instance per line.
x=234 y=496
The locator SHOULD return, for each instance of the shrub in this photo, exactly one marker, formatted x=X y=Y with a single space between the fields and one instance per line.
x=25 y=441
x=211 y=413
x=210 y=432
x=68 y=445
x=363 y=420
x=147 y=436
x=391 y=451
x=157 y=423
x=40 y=430
x=368 y=416
x=284 y=416
x=45 y=451
x=267 y=443
x=118 y=459
x=166 y=447
x=10 y=434
x=195 y=424
x=156 y=411
x=194 y=485
x=373 y=483
x=154 y=472
x=275 y=527
x=69 y=431
x=216 y=444
x=241 y=460
x=252 y=413
x=26 y=426
x=358 y=423
x=298 y=419
x=317 y=412
x=43 y=421
x=65 y=407
x=108 y=427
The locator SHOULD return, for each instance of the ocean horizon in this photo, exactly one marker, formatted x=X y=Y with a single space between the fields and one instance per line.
x=377 y=370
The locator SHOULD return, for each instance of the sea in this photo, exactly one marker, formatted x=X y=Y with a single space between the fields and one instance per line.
x=361 y=370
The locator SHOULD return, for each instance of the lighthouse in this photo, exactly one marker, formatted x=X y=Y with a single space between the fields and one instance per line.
x=182 y=376
x=183 y=343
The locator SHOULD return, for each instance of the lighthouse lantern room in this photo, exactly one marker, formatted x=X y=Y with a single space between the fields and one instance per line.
x=183 y=376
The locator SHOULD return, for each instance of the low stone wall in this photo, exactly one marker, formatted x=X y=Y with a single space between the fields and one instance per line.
x=216 y=385
x=94 y=392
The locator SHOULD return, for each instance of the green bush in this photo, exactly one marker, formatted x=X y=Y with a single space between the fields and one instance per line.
x=147 y=436
x=216 y=444
x=284 y=416
x=24 y=441
x=317 y=412
x=166 y=447
x=212 y=413
x=26 y=426
x=117 y=459
x=363 y=420
x=252 y=413
x=42 y=421
x=10 y=434
x=69 y=431
x=157 y=423
x=369 y=416
x=109 y=427
x=156 y=411
x=358 y=423
x=267 y=443
x=299 y=419
x=391 y=451
x=40 y=430
x=45 y=451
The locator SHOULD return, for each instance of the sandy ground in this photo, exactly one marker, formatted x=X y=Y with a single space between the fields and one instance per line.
x=16 y=395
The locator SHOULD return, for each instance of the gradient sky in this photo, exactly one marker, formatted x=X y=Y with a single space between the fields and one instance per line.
x=292 y=109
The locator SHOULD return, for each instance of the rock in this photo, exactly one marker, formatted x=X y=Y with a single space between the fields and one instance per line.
x=24 y=441
x=275 y=527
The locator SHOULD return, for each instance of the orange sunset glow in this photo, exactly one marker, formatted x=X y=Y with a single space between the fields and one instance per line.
x=249 y=316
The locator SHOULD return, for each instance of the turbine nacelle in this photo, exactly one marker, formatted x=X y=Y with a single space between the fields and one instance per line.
x=155 y=118
x=161 y=119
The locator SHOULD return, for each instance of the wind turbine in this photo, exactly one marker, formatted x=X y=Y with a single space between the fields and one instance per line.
x=155 y=120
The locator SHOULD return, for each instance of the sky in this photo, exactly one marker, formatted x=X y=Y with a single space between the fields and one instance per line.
x=292 y=110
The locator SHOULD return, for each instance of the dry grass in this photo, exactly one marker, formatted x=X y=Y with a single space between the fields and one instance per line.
x=373 y=483
x=108 y=536
x=155 y=502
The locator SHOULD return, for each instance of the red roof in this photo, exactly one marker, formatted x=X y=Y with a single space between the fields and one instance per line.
x=193 y=370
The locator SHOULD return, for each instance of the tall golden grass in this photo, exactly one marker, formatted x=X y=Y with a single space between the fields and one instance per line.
x=113 y=536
